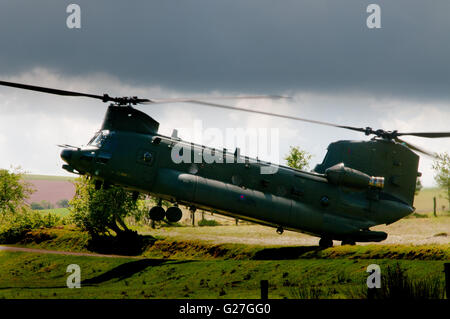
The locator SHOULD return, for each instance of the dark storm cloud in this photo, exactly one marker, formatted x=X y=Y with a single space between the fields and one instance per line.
x=232 y=45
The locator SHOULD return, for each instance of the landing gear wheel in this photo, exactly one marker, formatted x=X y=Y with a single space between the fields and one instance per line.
x=156 y=213
x=348 y=242
x=325 y=243
x=173 y=214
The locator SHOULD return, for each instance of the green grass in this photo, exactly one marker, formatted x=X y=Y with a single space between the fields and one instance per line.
x=69 y=238
x=66 y=238
x=48 y=177
x=29 y=275
x=61 y=212
x=173 y=268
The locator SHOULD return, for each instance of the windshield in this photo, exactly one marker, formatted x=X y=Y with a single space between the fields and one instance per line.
x=99 y=138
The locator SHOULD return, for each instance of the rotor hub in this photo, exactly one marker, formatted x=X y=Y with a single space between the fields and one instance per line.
x=387 y=135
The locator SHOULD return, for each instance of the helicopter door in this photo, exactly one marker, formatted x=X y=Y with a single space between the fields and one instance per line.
x=147 y=168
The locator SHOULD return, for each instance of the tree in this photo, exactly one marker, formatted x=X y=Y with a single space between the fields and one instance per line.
x=101 y=211
x=36 y=206
x=46 y=204
x=442 y=168
x=13 y=191
x=297 y=158
x=62 y=203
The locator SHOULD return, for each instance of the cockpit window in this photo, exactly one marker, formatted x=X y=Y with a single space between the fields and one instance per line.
x=99 y=138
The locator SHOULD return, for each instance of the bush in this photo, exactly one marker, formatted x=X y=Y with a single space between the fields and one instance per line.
x=18 y=225
x=207 y=222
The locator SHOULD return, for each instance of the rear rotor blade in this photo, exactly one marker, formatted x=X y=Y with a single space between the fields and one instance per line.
x=195 y=99
x=416 y=148
x=427 y=134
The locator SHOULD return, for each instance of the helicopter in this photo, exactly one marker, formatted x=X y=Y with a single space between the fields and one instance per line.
x=358 y=185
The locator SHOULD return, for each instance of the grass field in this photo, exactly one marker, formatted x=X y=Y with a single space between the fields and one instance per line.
x=224 y=261
x=69 y=238
x=191 y=268
x=183 y=269
x=423 y=202
x=410 y=231
x=25 y=275
x=62 y=212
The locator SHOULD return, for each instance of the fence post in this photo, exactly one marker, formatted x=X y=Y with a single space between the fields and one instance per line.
x=264 y=289
x=434 y=206
x=447 y=279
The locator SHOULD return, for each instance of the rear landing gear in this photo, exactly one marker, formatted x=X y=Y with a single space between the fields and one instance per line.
x=348 y=242
x=325 y=243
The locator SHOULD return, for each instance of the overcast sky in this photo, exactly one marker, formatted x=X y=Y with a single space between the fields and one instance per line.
x=319 y=52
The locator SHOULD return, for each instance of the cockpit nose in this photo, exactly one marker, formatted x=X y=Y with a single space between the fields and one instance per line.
x=66 y=155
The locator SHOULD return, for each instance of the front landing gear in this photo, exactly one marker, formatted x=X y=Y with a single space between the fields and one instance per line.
x=157 y=213
x=325 y=243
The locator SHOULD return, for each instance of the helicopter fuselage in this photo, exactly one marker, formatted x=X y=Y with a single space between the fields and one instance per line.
x=232 y=185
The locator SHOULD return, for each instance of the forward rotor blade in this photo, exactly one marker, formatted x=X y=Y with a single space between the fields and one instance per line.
x=49 y=90
x=273 y=114
x=416 y=148
x=104 y=97
x=427 y=134
x=195 y=99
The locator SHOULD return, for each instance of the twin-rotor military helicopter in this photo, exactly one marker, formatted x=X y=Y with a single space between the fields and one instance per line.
x=359 y=184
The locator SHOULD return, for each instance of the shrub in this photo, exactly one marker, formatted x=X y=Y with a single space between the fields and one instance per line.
x=18 y=225
x=207 y=222
x=102 y=211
